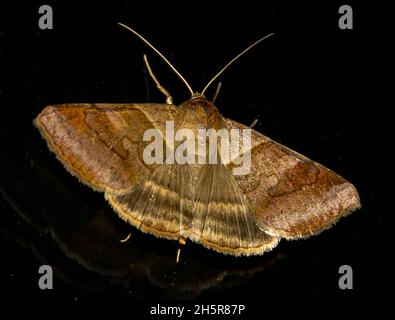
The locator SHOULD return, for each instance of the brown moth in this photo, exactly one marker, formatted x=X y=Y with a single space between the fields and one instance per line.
x=284 y=195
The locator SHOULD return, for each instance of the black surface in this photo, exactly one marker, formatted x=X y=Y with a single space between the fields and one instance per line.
x=310 y=86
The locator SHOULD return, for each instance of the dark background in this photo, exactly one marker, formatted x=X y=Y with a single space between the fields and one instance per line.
x=311 y=86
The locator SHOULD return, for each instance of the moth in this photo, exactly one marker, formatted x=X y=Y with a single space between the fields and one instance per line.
x=284 y=194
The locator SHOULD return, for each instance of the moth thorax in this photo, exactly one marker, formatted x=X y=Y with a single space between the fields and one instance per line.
x=198 y=113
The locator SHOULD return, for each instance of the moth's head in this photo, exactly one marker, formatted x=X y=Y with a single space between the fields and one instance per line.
x=199 y=103
x=198 y=95
x=198 y=112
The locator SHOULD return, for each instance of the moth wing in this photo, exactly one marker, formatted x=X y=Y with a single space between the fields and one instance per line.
x=223 y=220
x=291 y=195
x=159 y=204
x=102 y=144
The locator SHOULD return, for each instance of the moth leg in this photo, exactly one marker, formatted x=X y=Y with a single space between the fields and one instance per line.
x=219 y=85
x=126 y=239
x=181 y=242
x=254 y=122
x=169 y=98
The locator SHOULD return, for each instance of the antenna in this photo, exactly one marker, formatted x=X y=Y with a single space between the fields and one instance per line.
x=233 y=60
x=159 y=54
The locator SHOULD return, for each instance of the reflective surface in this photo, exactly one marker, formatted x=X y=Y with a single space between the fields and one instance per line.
x=80 y=238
